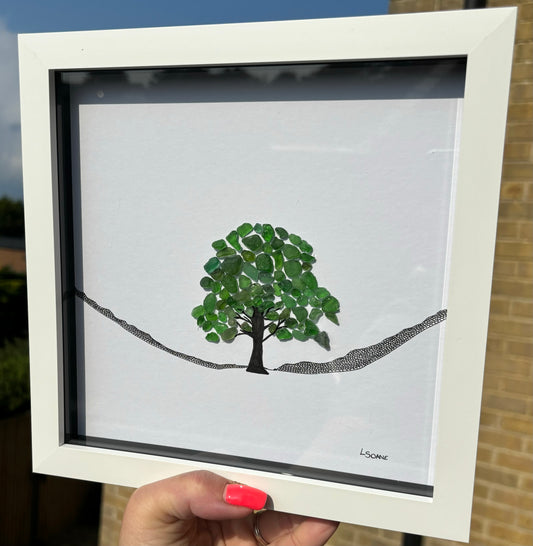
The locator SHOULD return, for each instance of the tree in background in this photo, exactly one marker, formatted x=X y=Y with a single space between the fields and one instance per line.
x=11 y=217
x=260 y=284
x=13 y=305
x=14 y=365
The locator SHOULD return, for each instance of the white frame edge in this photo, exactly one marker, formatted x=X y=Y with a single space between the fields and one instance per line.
x=485 y=38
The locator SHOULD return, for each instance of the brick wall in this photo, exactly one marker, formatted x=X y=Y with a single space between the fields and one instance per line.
x=503 y=494
x=114 y=500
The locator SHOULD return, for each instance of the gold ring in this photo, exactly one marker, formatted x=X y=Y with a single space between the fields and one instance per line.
x=257 y=532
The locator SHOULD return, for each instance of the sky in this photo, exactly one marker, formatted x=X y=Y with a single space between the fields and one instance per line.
x=23 y=16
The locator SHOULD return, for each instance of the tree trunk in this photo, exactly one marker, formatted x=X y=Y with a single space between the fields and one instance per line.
x=256 y=360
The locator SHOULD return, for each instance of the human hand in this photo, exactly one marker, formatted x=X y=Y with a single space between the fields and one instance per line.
x=204 y=509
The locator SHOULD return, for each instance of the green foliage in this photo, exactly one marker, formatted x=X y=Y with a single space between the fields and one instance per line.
x=14 y=377
x=14 y=367
x=11 y=218
x=13 y=305
x=267 y=270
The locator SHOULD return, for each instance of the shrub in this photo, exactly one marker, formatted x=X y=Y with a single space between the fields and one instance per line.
x=11 y=217
x=14 y=377
x=13 y=305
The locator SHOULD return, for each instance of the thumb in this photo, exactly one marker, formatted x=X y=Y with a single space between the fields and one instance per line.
x=197 y=494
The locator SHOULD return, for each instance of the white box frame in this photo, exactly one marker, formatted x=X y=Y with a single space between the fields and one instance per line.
x=485 y=39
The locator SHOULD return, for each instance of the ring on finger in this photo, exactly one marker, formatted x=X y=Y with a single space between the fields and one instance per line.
x=260 y=539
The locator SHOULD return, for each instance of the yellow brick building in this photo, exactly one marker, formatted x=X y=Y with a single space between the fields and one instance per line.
x=503 y=494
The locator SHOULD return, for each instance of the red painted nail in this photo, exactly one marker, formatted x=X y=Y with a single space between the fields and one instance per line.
x=243 y=495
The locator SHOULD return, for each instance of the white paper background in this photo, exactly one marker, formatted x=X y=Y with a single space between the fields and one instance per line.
x=366 y=182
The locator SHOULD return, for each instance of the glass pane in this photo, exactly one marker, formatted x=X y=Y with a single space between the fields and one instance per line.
x=291 y=221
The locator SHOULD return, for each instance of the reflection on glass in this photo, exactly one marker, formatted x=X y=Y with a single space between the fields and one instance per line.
x=201 y=190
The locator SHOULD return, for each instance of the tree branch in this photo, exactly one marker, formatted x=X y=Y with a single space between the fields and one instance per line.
x=269 y=308
x=272 y=322
x=245 y=318
x=278 y=325
x=243 y=333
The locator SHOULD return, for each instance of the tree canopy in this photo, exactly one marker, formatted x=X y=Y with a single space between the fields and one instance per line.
x=261 y=278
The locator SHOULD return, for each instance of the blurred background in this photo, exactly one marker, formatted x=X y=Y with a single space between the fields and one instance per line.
x=34 y=509
x=45 y=510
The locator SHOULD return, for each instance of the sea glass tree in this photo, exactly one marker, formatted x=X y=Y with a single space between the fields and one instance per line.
x=260 y=284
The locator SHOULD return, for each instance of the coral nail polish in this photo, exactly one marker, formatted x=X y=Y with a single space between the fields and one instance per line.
x=244 y=495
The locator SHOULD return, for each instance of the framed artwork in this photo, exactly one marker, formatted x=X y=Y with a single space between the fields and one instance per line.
x=266 y=250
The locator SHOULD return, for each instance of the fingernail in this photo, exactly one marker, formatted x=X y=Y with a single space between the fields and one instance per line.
x=243 y=495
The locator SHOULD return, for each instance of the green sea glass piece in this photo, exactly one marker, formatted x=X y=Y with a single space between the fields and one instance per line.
x=212 y=265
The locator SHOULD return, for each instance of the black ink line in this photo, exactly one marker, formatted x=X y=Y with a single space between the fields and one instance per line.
x=359 y=358
x=147 y=338
x=354 y=360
